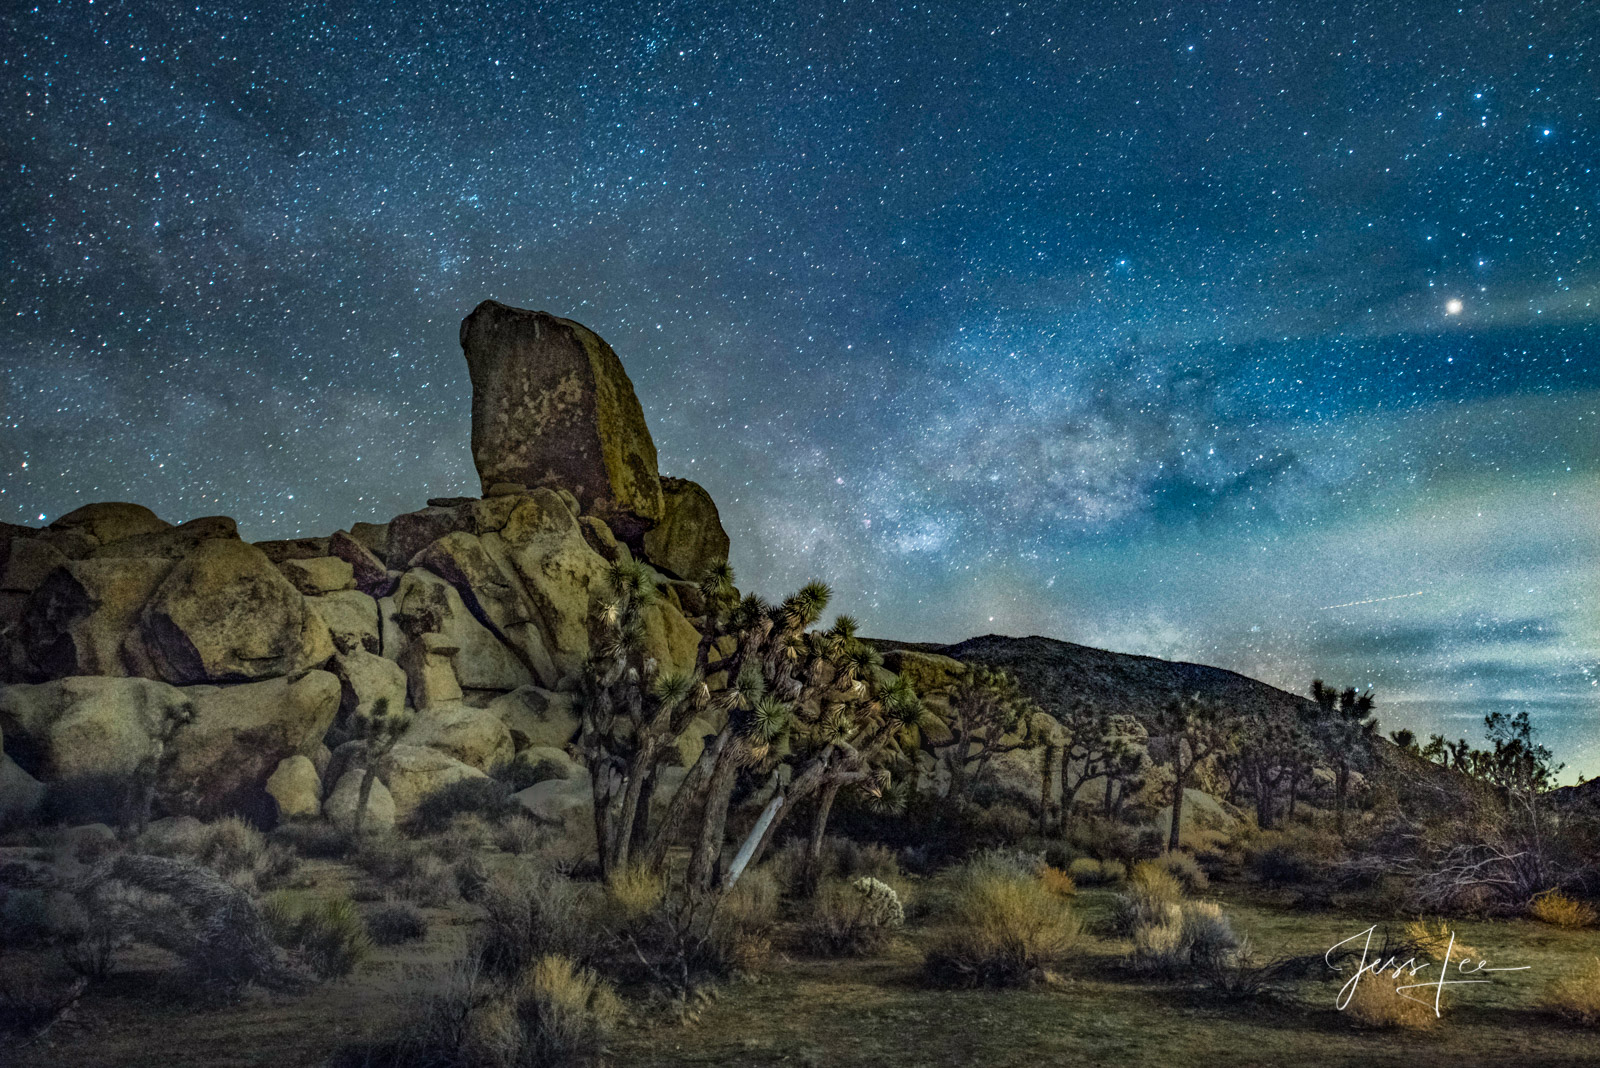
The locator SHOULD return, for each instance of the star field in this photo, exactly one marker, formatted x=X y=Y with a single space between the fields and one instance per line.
x=1207 y=331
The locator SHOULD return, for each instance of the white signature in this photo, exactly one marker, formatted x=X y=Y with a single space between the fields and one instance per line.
x=1410 y=969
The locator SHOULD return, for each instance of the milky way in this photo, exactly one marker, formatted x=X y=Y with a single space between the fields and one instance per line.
x=1162 y=328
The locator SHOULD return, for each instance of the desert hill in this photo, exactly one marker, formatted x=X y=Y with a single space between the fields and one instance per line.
x=1054 y=672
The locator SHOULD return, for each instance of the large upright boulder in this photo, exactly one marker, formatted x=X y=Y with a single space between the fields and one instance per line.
x=552 y=406
x=689 y=540
x=80 y=618
x=226 y=614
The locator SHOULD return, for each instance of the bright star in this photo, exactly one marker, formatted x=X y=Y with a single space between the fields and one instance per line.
x=1453 y=307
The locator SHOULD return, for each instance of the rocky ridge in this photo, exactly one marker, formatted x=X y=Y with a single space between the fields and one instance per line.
x=127 y=641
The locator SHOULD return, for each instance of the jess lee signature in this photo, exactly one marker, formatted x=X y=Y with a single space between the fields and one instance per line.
x=1410 y=969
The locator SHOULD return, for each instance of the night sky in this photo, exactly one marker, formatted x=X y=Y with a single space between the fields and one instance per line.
x=1265 y=335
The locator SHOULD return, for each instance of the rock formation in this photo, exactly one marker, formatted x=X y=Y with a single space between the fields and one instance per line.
x=231 y=674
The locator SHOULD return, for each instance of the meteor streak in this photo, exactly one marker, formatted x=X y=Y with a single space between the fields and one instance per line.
x=1373 y=600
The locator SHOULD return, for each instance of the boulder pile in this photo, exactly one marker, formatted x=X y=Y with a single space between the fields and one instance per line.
x=234 y=675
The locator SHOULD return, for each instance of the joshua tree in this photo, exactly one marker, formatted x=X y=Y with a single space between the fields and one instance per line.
x=148 y=773
x=1346 y=728
x=378 y=731
x=1269 y=756
x=630 y=715
x=986 y=709
x=1099 y=744
x=1196 y=730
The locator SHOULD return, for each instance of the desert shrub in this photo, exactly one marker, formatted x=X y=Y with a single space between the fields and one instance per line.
x=1057 y=881
x=1434 y=940
x=1208 y=938
x=1151 y=889
x=1110 y=839
x=1575 y=997
x=471 y=877
x=329 y=936
x=841 y=858
x=314 y=839
x=228 y=846
x=633 y=894
x=1178 y=938
x=24 y=917
x=999 y=824
x=407 y=870
x=1288 y=857
x=396 y=923
x=517 y=834
x=1086 y=871
x=852 y=918
x=487 y=798
x=1185 y=869
x=428 y=881
x=1114 y=870
x=210 y=924
x=1005 y=929
x=1377 y=1002
x=535 y=914
x=742 y=934
x=465 y=834
x=554 y=1012
x=1559 y=910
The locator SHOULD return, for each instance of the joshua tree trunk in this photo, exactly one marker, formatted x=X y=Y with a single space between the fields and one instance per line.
x=1047 y=775
x=1180 y=774
x=819 y=828
x=640 y=772
x=368 y=776
x=683 y=801
x=714 y=822
x=639 y=840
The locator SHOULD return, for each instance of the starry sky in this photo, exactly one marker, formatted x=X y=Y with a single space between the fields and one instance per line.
x=1257 y=334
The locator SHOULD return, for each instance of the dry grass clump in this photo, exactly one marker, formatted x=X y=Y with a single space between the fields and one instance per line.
x=1004 y=929
x=1434 y=940
x=1575 y=997
x=1177 y=938
x=633 y=893
x=1151 y=889
x=329 y=936
x=1057 y=881
x=553 y=1012
x=396 y=923
x=841 y=858
x=1185 y=869
x=1559 y=910
x=228 y=846
x=743 y=934
x=1086 y=871
x=531 y=915
x=518 y=834
x=851 y=919
x=1290 y=856
x=1377 y=1002
x=407 y=870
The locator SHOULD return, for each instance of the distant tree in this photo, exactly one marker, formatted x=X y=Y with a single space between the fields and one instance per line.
x=1346 y=729
x=989 y=715
x=1195 y=729
x=1099 y=745
x=1268 y=756
x=1405 y=739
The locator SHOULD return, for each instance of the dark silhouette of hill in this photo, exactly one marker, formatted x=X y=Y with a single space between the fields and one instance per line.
x=1054 y=672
